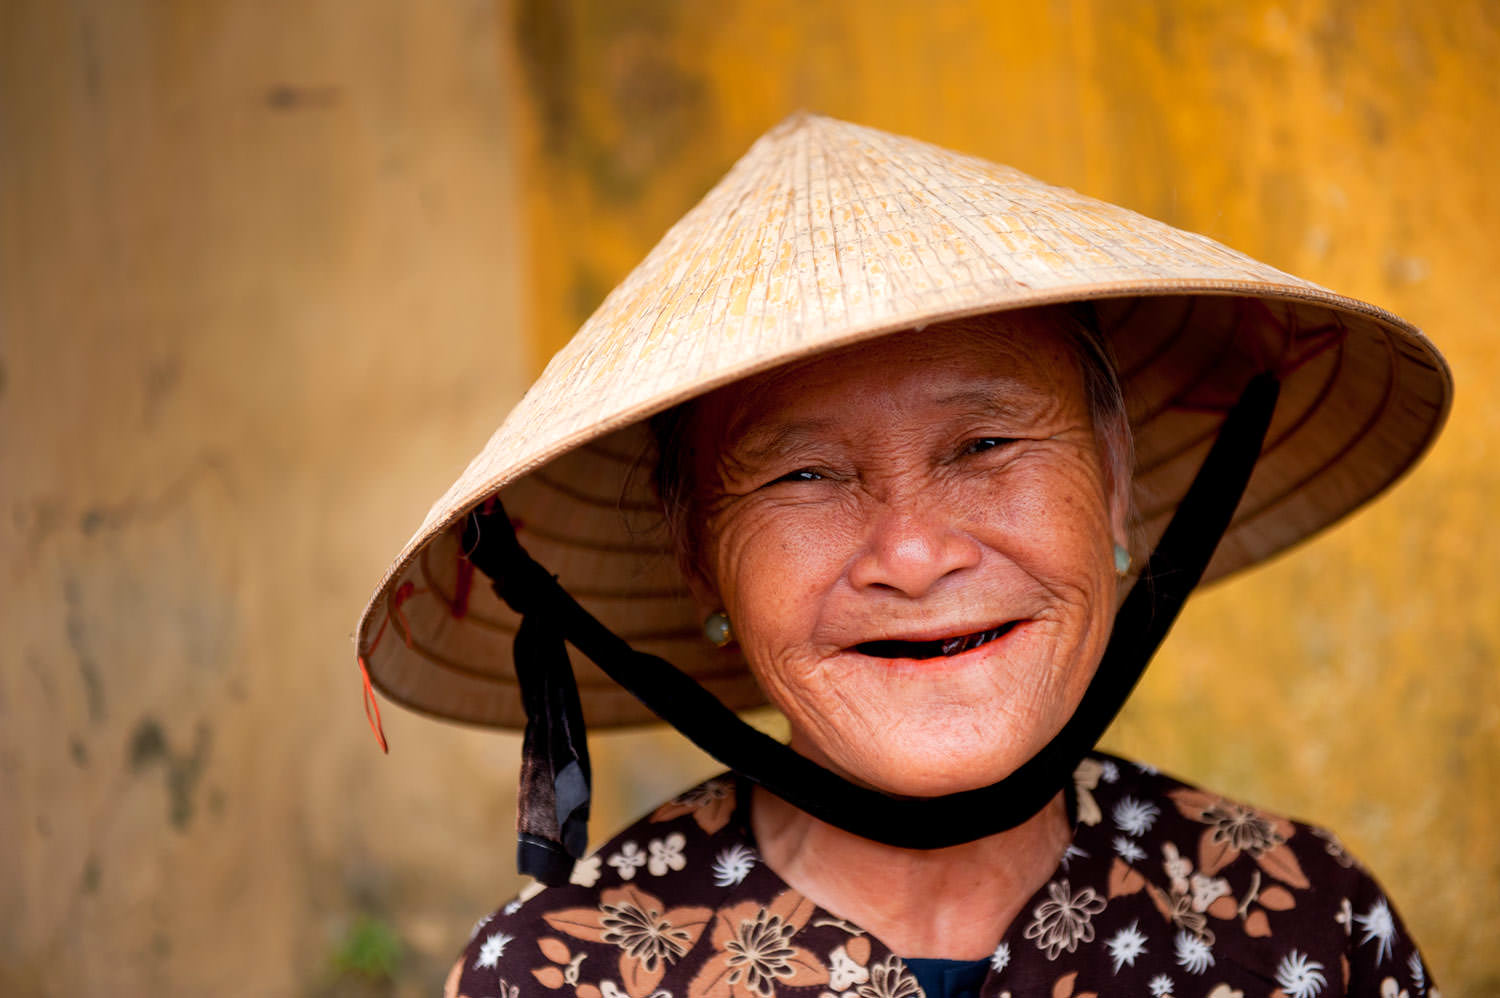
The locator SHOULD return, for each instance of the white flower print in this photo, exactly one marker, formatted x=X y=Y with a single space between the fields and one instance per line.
x=666 y=854
x=1160 y=986
x=609 y=989
x=1147 y=768
x=1207 y=890
x=1177 y=866
x=1127 y=944
x=525 y=894
x=1378 y=925
x=628 y=860
x=1109 y=772
x=1418 y=972
x=486 y=921
x=1193 y=953
x=891 y=979
x=844 y=972
x=1071 y=853
x=1300 y=977
x=492 y=950
x=1063 y=920
x=1135 y=817
x=732 y=865
x=1127 y=850
x=586 y=871
x=1345 y=917
x=1390 y=989
x=1000 y=959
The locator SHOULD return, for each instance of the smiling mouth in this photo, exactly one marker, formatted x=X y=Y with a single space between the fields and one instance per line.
x=940 y=648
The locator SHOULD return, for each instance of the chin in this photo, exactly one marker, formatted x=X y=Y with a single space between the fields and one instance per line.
x=939 y=766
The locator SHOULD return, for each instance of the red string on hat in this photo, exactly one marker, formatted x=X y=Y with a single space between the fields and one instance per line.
x=372 y=707
x=403 y=593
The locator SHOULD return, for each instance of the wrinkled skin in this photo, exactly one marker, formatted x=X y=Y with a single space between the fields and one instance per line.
x=920 y=487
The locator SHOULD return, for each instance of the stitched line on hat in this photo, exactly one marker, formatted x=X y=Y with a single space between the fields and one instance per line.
x=1206 y=437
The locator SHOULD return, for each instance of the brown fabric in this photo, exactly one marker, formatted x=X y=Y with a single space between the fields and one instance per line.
x=1165 y=890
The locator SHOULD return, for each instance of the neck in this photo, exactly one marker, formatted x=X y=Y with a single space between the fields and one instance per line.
x=953 y=903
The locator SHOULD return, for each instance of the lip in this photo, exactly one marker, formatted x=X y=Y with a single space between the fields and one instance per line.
x=933 y=645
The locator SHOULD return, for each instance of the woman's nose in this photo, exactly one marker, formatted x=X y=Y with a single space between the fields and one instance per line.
x=910 y=551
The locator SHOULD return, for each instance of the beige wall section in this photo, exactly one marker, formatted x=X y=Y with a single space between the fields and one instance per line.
x=259 y=296
x=1355 y=682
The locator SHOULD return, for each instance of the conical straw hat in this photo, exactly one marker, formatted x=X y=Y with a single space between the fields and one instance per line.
x=826 y=234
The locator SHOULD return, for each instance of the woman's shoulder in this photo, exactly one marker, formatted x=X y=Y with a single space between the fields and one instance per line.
x=1232 y=884
x=643 y=897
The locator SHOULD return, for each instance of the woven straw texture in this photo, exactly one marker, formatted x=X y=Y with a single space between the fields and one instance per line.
x=827 y=233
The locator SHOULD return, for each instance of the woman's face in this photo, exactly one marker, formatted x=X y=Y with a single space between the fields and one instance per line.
x=913 y=540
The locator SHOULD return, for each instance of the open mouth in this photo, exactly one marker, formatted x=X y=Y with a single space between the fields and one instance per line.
x=939 y=648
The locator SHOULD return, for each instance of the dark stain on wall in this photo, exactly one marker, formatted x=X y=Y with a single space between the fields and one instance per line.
x=542 y=33
x=147 y=745
x=651 y=106
x=161 y=381
x=149 y=749
x=286 y=97
x=119 y=515
x=88 y=667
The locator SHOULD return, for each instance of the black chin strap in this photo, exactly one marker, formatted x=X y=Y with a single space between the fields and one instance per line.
x=554 y=790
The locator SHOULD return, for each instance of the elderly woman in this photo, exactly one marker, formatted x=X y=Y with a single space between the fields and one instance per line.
x=928 y=454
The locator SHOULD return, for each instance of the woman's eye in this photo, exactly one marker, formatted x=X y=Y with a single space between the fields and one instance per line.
x=982 y=444
x=800 y=475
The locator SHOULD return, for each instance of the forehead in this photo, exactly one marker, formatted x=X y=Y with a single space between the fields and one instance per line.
x=1022 y=362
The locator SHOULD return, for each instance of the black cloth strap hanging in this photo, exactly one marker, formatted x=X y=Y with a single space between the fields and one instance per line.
x=556 y=752
x=554 y=790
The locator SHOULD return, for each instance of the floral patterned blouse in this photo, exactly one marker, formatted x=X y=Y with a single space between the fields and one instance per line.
x=1166 y=891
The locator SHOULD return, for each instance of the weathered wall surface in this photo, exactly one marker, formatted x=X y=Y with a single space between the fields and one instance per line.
x=261 y=295
x=1354 y=682
x=259 y=298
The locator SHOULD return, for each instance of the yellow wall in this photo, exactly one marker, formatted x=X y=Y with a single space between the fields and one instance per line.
x=1355 y=682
